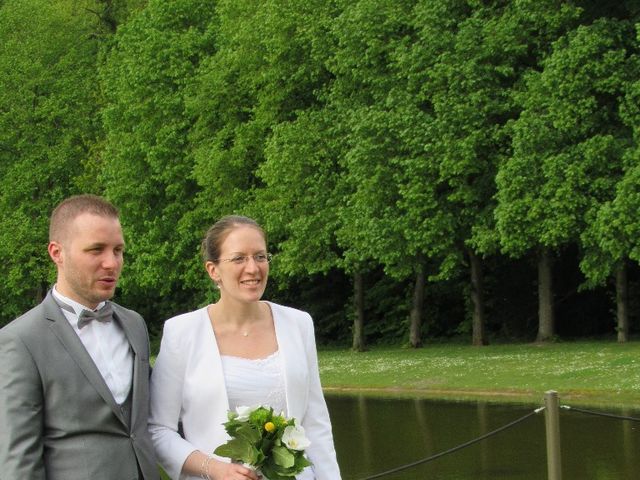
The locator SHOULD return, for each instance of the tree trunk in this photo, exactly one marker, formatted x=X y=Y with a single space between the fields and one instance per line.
x=622 y=303
x=546 y=327
x=415 y=329
x=479 y=337
x=358 y=321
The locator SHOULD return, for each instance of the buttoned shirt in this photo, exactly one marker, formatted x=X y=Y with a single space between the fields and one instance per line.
x=107 y=345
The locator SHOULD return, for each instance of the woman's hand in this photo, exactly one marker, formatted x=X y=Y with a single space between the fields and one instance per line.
x=230 y=471
x=202 y=465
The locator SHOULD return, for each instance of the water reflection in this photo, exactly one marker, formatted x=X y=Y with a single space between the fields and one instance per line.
x=376 y=435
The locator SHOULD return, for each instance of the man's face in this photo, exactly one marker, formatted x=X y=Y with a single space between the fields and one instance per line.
x=89 y=258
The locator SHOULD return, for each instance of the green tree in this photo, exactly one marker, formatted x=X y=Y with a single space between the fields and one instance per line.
x=301 y=197
x=260 y=76
x=567 y=148
x=430 y=221
x=49 y=127
x=362 y=97
x=296 y=187
x=148 y=168
x=264 y=74
x=472 y=88
x=610 y=237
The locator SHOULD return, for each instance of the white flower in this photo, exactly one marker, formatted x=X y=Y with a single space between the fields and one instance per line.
x=244 y=412
x=294 y=438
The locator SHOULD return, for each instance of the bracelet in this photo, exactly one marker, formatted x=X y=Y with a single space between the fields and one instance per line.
x=204 y=468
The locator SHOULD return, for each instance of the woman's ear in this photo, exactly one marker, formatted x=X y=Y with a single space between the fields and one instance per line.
x=212 y=270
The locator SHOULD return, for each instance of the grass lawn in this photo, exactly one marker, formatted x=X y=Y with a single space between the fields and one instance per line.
x=586 y=373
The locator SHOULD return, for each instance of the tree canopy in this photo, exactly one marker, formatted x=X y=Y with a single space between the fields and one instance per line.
x=410 y=160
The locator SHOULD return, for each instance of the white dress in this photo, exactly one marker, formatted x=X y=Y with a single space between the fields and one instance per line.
x=251 y=383
x=255 y=382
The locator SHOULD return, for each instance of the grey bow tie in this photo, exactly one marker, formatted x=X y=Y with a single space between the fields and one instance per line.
x=105 y=314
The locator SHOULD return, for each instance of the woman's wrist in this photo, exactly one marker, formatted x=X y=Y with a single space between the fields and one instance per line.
x=204 y=468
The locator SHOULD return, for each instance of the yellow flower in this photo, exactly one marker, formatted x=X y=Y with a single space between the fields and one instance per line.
x=269 y=427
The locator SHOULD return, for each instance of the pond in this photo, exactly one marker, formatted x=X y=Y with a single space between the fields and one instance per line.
x=374 y=435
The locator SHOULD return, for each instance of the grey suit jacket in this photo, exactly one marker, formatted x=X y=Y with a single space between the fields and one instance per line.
x=58 y=418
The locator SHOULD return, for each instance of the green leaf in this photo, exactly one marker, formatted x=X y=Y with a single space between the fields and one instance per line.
x=301 y=462
x=273 y=472
x=283 y=457
x=238 y=449
x=249 y=433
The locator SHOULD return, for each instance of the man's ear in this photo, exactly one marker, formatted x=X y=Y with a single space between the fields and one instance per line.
x=55 y=252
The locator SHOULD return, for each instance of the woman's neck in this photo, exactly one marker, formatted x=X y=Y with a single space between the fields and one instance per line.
x=236 y=314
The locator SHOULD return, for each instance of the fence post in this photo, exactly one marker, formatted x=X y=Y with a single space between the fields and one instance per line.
x=552 y=424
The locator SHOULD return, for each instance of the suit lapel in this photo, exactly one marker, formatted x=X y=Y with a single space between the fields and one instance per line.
x=134 y=343
x=72 y=343
x=129 y=330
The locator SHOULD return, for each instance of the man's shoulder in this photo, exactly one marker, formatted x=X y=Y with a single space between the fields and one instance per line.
x=25 y=322
x=124 y=311
x=131 y=318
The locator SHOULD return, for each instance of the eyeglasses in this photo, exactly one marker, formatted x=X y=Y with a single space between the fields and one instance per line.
x=242 y=259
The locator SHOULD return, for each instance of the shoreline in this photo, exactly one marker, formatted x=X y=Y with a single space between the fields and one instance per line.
x=596 y=374
x=597 y=400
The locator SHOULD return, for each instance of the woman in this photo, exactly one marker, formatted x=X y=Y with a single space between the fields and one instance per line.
x=240 y=351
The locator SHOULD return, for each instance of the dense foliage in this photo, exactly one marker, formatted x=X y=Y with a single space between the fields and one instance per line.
x=424 y=168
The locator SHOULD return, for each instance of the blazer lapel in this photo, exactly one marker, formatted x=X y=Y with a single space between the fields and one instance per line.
x=72 y=343
x=291 y=349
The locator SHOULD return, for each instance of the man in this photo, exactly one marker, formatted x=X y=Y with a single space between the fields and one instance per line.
x=74 y=389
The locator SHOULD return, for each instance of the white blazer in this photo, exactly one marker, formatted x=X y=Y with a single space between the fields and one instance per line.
x=187 y=386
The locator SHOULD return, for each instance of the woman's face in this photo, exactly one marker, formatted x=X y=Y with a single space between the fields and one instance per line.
x=242 y=270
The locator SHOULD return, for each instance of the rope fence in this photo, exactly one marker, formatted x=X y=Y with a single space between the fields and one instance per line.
x=455 y=449
x=599 y=414
x=551 y=409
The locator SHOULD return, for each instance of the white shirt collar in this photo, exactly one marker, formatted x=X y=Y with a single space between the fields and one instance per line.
x=77 y=307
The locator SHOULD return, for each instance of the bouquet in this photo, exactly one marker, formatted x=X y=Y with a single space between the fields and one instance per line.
x=270 y=443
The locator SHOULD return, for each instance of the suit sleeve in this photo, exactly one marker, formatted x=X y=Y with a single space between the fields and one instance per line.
x=21 y=411
x=317 y=423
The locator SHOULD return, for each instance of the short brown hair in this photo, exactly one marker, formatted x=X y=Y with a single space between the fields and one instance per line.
x=70 y=208
x=218 y=232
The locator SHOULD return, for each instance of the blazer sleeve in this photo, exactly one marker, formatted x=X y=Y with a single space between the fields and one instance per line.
x=317 y=423
x=21 y=411
x=166 y=391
